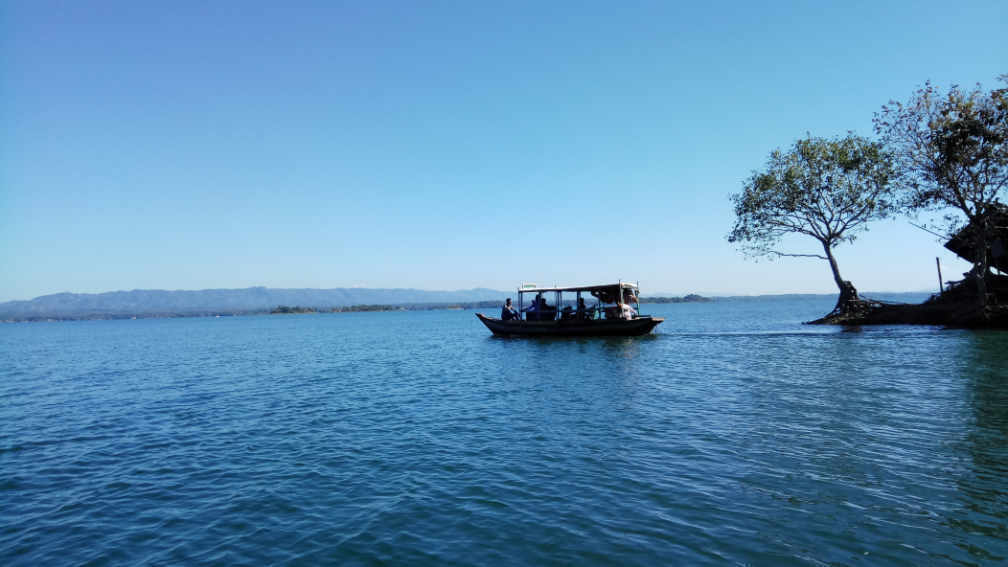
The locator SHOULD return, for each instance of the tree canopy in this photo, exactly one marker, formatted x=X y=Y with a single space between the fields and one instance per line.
x=951 y=150
x=828 y=189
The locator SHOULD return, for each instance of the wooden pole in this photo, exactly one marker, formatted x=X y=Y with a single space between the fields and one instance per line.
x=941 y=288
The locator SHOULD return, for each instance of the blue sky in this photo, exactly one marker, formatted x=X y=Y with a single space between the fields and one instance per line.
x=444 y=145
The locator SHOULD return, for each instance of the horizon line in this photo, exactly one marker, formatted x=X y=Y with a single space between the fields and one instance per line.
x=478 y=288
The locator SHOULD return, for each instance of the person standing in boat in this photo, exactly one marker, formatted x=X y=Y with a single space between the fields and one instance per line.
x=508 y=312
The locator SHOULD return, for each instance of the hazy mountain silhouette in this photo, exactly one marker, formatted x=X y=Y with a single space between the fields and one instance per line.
x=147 y=302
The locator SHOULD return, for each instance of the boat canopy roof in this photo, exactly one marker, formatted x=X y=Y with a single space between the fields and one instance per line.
x=964 y=244
x=611 y=288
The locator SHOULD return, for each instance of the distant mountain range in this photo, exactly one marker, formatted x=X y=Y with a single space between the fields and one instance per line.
x=155 y=302
x=162 y=303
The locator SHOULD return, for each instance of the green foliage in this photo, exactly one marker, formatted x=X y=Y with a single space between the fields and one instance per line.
x=824 y=188
x=951 y=149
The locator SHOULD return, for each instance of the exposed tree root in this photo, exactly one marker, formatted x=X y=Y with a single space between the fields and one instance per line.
x=959 y=307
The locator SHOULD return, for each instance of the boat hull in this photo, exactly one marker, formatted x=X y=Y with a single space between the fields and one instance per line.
x=594 y=328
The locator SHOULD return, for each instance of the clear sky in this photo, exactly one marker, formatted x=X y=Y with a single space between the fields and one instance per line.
x=444 y=145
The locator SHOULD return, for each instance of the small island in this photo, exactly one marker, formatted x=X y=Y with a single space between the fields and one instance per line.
x=940 y=153
x=691 y=298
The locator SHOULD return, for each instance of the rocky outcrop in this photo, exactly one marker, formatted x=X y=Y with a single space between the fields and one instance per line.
x=958 y=306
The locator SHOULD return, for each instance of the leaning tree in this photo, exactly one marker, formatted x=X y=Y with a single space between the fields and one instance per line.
x=951 y=153
x=824 y=188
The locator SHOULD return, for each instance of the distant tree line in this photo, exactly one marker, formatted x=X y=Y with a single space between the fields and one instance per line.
x=283 y=309
x=415 y=306
x=278 y=310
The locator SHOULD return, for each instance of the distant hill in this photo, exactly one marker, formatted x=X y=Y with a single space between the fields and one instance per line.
x=691 y=298
x=153 y=303
x=894 y=296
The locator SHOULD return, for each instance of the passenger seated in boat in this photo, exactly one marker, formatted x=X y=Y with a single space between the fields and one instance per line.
x=536 y=302
x=540 y=310
x=532 y=311
x=547 y=312
x=628 y=312
x=507 y=312
x=582 y=312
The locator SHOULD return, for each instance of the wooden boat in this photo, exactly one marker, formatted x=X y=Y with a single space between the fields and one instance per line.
x=611 y=315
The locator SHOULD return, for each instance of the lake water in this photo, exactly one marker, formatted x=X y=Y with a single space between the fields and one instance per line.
x=733 y=435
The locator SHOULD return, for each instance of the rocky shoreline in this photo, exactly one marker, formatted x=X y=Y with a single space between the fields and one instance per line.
x=957 y=307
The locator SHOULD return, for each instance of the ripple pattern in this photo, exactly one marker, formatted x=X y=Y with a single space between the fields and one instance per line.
x=731 y=436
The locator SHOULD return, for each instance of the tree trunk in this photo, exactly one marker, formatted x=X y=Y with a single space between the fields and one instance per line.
x=982 y=266
x=848 y=293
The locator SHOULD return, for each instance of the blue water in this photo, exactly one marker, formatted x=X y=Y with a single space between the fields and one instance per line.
x=733 y=435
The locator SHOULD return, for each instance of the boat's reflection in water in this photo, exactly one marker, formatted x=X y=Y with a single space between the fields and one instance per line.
x=613 y=347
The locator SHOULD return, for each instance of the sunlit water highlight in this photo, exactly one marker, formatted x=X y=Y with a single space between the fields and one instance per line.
x=733 y=435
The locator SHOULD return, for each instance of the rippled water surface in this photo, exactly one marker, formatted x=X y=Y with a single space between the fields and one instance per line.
x=733 y=435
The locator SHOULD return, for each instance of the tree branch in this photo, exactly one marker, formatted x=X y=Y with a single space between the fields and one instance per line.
x=929 y=231
x=820 y=256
